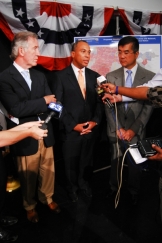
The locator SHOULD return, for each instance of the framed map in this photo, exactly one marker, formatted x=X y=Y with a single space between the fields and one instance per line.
x=104 y=52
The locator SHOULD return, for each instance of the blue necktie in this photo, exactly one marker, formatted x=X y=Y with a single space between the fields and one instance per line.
x=26 y=76
x=128 y=83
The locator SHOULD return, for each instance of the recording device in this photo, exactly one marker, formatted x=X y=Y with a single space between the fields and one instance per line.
x=143 y=149
x=100 y=91
x=56 y=113
x=145 y=146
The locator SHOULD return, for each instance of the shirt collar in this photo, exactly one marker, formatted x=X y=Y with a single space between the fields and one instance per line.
x=19 y=68
x=134 y=69
x=76 y=69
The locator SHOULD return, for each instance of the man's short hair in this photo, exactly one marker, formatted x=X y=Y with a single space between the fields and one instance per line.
x=20 y=39
x=130 y=39
x=74 y=45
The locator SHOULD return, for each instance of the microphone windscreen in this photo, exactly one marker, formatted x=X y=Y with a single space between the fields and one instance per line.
x=56 y=106
x=101 y=80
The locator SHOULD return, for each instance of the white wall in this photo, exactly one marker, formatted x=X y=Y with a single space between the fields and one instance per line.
x=153 y=5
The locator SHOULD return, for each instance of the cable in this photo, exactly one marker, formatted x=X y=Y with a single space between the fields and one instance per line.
x=120 y=184
x=119 y=180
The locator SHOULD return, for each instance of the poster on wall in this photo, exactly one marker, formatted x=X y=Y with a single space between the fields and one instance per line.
x=104 y=52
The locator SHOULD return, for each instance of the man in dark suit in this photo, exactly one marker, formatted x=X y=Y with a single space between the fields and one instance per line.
x=82 y=112
x=132 y=118
x=25 y=95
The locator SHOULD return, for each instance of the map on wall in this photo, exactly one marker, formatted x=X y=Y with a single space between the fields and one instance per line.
x=104 y=52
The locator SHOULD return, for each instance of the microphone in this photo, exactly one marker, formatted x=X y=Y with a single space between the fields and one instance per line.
x=100 y=91
x=56 y=113
x=101 y=80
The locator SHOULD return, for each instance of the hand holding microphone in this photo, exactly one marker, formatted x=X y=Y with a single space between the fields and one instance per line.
x=101 y=92
x=56 y=108
x=111 y=92
x=109 y=88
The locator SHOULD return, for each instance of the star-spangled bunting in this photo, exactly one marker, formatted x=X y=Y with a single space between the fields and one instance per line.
x=142 y=22
x=56 y=25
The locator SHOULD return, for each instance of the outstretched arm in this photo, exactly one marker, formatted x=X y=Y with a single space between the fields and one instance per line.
x=14 y=135
x=135 y=93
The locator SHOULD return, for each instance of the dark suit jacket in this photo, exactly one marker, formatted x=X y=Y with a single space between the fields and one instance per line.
x=24 y=104
x=76 y=109
x=138 y=112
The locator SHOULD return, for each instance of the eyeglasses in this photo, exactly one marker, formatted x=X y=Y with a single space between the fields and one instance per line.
x=125 y=53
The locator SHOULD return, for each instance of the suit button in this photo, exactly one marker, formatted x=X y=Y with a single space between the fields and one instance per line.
x=125 y=118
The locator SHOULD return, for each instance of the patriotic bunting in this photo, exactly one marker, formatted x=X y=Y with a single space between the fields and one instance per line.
x=142 y=22
x=56 y=25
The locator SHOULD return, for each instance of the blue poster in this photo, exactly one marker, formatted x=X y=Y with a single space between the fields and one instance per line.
x=104 y=52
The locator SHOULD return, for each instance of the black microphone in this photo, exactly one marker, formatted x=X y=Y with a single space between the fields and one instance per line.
x=100 y=91
x=44 y=125
x=56 y=113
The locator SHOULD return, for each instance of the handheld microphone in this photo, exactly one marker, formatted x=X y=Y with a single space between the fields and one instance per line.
x=101 y=80
x=56 y=113
x=100 y=91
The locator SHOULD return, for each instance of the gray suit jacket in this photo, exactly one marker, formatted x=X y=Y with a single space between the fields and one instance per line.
x=138 y=112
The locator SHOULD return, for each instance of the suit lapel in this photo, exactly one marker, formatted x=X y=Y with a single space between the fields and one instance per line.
x=138 y=77
x=73 y=80
x=19 y=79
x=119 y=77
x=34 y=85
x=119 y=81
x=89 y=76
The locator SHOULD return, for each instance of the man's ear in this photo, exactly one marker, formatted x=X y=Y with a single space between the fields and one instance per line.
x=21 y=51
x=137 y=54
x=73 y=54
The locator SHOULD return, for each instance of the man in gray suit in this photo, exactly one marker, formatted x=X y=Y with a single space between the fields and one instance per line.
x=132 y=116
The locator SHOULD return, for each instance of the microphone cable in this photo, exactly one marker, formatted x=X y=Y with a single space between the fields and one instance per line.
x=119 y=180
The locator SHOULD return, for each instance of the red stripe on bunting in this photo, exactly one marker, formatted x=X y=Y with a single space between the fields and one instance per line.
x=108 y=12
x=155 y=18
x=124 y=17
x=54 y=63
x=5 y=28
x=55 y=9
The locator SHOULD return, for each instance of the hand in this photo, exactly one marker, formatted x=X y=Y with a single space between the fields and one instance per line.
x=113 y=98
x=85 y=128
x=38 y=133
x=125 y=134
x=109 y=88
x=27 y=125
x=79 y=127
x=82 y=128
x=158 y=155
x=30 y=124
x=129 y=135
x=121 y=133
x=49 y=99
x=89 y=126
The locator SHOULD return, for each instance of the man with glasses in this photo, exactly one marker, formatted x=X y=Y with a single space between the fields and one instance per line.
x=132 y=116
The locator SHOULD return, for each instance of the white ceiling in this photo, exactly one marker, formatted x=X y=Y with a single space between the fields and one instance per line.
x=155 y=5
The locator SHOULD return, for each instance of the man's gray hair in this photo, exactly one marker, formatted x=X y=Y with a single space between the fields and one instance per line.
x=20 y=40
